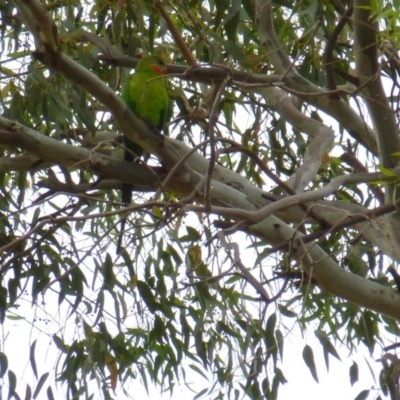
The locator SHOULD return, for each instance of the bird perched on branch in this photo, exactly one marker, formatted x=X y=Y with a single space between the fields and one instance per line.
x=146 y=94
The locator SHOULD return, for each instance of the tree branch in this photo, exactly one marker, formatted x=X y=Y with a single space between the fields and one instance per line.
x=368 y=71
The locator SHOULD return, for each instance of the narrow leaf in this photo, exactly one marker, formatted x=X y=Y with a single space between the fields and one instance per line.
x=40 y=384
x=308 y=357
x=353 y=373
x=113 y=369
x=32 y=359
x=3 y=364
x=287 y=312
x=60 y=344
x=200 y=394
x=326 y=343
x=279 y=341
x=50 y=395
x=362 y=395
x=147 y=295
x=201 y=348
x=12 y=384
x=28 y=393
x=198 y=370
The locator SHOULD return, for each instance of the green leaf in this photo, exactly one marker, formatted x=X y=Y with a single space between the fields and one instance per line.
x=223 y=327
x=49 y=393
x=386 y=172
x=3 y=364
x=249 y=7
x=234 y=50
x=201 y=348
x=198 y=370
x=40 y=384
x=279 y=341
x=192 y=235
x=201 y=393
x=32 y=358
x=3 y=303
x=362 y=395
x=279 y=379
x=108 y=273
x=13 y=285
x=60 y=344
x=28 y=393
x=231 y=20
x=12 y=384
x=353 y=372
x=147 y=295
x=308 y=356
x=271 y=345
x=233 y=10
x=368 y=329
x=327 y=346
x=15 y=318
x=286 y=311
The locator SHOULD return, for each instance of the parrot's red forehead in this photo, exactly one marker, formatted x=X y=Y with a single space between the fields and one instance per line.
x=157 y=69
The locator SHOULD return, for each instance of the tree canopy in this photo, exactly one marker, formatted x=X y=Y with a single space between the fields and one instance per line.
x=272 y=201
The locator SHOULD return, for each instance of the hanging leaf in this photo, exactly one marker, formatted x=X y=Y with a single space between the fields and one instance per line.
x=3 y=364
x=32 y=358
x=40 y=384
x=353 y=373
x=362 y=395
x=308 y=356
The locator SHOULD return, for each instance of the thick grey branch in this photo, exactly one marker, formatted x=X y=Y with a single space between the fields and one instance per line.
x=307 y=91
x=368 y=71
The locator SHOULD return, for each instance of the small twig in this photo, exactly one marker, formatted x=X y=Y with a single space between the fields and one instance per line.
x=350 y=220
x=246 y=273
x=353 y=162
x=212 y=123
x=178 y=165
x=191 y=60
x=313 y=29
x=328 y=54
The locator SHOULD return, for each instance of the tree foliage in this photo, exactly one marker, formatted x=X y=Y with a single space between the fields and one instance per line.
x=274 y=199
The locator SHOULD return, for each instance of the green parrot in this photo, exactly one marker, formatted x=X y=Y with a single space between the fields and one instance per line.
x=147 y=96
